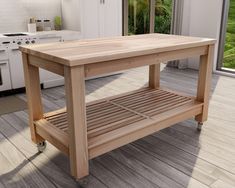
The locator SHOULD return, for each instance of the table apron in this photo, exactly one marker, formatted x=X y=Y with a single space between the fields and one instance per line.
x=99 y=68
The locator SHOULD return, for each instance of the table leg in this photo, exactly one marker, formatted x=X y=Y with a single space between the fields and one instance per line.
x=154 y=76
x=77 y=127
x=33 y=91
x=204 y=82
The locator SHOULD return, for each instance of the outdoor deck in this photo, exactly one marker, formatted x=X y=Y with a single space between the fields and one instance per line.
x=176 y=157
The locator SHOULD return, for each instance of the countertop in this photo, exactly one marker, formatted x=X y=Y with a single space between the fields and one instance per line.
x=106 y=49
x=45 y=33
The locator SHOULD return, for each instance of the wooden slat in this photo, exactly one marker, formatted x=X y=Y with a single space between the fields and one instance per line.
x=139 y=98
x=150 y=109
x=109 y=141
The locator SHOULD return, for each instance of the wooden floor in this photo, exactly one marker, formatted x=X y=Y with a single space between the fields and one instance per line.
x=175 y=157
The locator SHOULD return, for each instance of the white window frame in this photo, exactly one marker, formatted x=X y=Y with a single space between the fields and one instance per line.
x=223 y=30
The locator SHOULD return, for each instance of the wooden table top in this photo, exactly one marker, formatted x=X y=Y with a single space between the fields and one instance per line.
x=81 y=52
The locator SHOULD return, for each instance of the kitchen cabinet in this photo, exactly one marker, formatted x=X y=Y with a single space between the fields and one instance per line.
x=101 y=18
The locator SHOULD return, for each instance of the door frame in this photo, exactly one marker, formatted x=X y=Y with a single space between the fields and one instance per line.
x=222 y=39
x=223 y=29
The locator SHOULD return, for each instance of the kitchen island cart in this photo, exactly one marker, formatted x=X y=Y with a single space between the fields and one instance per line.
x=84 y=131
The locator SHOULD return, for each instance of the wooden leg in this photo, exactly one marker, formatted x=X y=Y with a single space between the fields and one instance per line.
x=76 y=110
x=33 y=91
x=154 y=76
x=204 y=82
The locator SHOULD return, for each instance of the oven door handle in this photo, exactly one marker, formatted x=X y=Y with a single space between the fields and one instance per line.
x=3 y=63
x=15 y=49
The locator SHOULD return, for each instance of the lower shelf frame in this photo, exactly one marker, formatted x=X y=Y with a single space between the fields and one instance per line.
x=122 y=119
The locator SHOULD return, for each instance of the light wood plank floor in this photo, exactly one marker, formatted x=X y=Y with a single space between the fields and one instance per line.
x=172 y=158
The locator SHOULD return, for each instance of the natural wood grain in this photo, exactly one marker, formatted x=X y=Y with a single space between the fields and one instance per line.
x=77 y=127
x=49 y=131
x=82 y=132
x=204 y=82
x=33 y=90
x=128 y=113
x=107 y=49
x=47 y=65
x=154 y=76
x=98 y=68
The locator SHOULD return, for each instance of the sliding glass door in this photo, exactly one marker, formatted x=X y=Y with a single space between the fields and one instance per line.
x=138 y=16
x=147 y=16
x=163 y=16
x=226 y=60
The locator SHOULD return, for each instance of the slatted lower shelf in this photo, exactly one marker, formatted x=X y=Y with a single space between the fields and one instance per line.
x=116 y=121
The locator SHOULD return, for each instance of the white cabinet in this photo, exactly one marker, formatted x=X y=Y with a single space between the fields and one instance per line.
x=90 y=24
x=101 y=18
x=110 y=18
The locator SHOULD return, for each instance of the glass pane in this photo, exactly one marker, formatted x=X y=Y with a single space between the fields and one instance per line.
x=229 y=49
x=163 y=15
x=138 y=18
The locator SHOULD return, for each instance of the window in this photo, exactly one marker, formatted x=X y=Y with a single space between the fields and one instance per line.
x=138 y=16
x=163 y=16
x=147 y=16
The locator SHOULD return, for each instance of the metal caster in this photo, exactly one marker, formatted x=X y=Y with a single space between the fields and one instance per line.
x=83 y=182
x=41 y=146
x=199 y=126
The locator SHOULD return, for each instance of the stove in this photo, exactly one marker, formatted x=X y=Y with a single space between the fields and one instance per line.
x=10 y=43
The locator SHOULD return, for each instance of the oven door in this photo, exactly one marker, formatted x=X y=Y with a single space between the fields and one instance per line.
x=16 y=67
x=5 y=79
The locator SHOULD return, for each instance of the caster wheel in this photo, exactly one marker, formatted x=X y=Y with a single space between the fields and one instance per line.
x=199 y=126
x=83 y=182
x=41 y=146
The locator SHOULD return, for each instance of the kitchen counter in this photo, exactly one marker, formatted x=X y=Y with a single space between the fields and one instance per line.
x=52 y=33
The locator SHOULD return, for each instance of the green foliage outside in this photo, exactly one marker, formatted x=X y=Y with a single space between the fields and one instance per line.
x=163 y=12
x=229 y=50
x=139 y=16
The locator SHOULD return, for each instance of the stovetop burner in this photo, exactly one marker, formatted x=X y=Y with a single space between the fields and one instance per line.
x=15 y=34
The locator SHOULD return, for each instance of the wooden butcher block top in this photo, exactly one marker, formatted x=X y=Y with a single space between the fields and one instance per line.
x=81 y=52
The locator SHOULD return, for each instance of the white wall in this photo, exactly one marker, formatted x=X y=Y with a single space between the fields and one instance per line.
x=14 y=14
x=202 y=18
x=71 y=14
